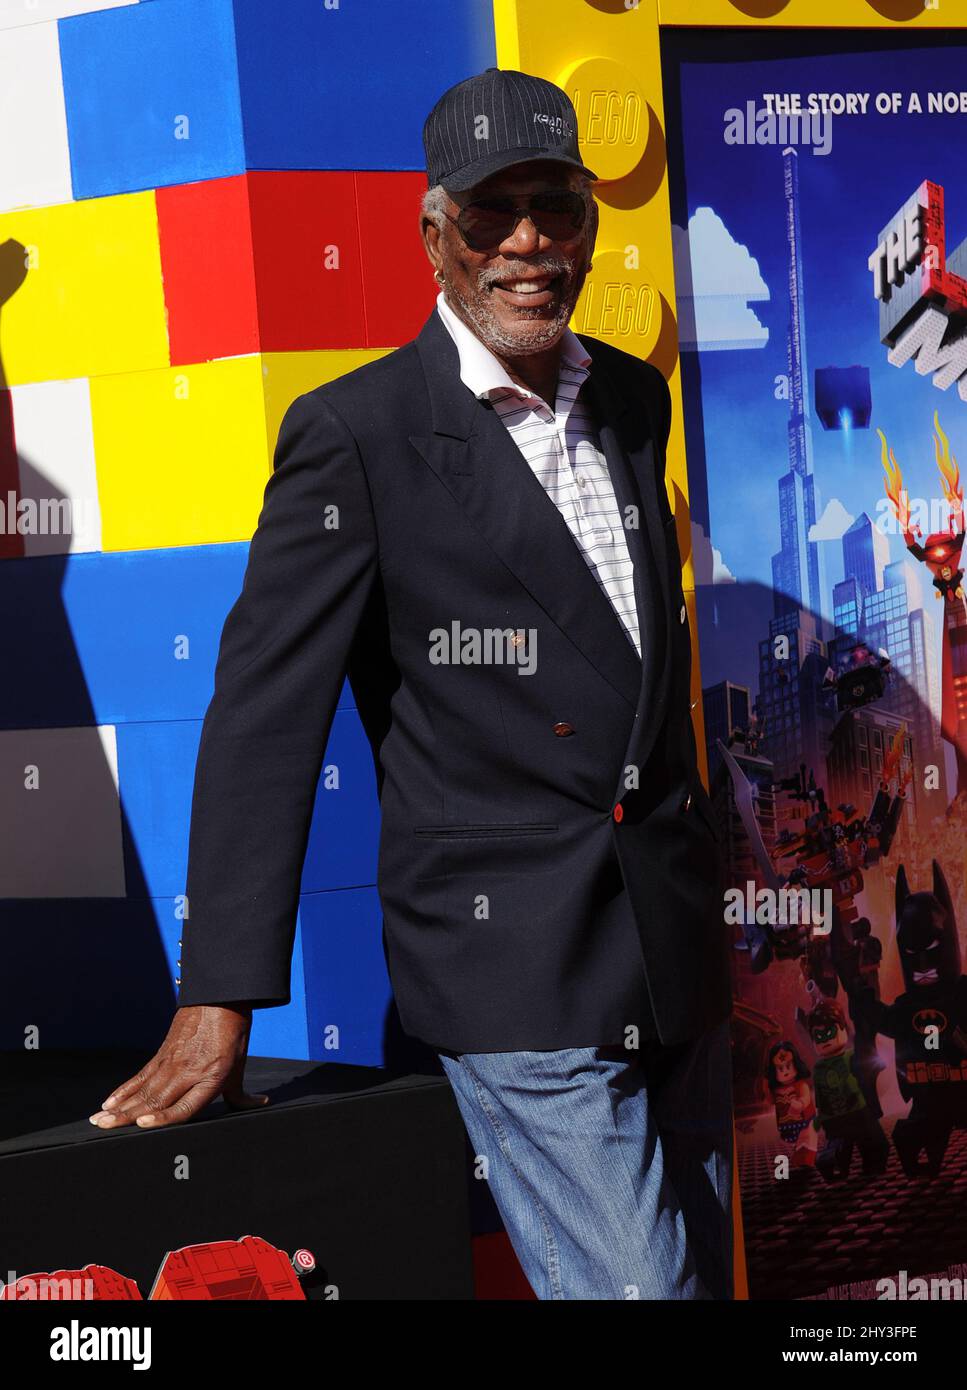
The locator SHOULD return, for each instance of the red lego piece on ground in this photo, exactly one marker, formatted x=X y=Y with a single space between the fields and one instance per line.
x=224 y=1270
x=91 y=1284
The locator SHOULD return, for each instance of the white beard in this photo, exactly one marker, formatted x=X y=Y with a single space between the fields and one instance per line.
x=529 y=337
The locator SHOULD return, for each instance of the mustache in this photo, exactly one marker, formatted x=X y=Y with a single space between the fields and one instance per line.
x=548 y=265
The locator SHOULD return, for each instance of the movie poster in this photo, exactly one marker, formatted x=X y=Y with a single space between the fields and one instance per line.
x=821 y=270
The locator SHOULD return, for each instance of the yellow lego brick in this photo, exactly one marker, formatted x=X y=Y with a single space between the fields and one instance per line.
x=181 y=453
x=621 y=303
x=609 y=62
x=816 y=14
x=698 y=712
x=87 y=297
x=290 y=374
x=683 y=530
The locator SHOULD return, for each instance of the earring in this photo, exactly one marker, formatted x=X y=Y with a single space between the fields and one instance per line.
x=439 y=278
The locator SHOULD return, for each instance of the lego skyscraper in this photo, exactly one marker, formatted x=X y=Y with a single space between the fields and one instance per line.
x=798 y=576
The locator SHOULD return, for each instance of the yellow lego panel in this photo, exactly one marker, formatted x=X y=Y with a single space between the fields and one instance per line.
x=84 y=291
x=817 y=14
x=181 y=453
x=204 y=437
x=608 y=60
x=290 y=374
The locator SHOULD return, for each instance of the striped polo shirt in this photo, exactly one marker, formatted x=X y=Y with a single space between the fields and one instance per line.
x=562 y=448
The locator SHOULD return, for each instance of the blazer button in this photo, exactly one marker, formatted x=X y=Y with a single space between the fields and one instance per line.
x=563 y=730
x=681 y=616
x=618 y=812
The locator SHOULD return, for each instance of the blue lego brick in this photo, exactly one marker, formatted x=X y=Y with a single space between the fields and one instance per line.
x=346 y=980
x=156 y=767
x=284 y=1032
x=95 y=634
x=843 y=397
x=350 y=88
x=86 y=972
x=344 y=836
x=279 y=1032
x=287 y=85
x=100 y=972
x=132 y=74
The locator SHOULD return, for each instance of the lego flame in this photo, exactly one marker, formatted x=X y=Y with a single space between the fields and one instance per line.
x=949 y=475
x=899 y=500
x=891 y=760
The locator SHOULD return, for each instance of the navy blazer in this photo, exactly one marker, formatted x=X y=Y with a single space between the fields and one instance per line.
x=549 y=867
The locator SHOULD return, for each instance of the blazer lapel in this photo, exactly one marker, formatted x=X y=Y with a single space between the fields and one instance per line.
x=478 y=462
x=625 y=432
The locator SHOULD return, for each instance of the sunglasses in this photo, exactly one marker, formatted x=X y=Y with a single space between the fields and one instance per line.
x=558 y=214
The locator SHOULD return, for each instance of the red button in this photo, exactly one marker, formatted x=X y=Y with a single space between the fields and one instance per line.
x=563 y=730
x=618 y=812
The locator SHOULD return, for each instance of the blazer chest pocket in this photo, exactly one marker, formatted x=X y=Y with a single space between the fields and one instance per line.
x=483 y=832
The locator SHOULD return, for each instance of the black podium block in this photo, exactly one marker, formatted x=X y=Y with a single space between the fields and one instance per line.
x=364 y=1169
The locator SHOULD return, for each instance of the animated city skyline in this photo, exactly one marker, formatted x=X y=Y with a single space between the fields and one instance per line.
x=775 y=280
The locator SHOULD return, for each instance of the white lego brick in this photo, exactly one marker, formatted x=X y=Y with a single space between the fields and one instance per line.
x=61 y=813
x=34 y=157
x=55 y=455
x=15 y=13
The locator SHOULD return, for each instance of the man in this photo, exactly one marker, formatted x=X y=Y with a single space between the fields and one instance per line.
x=476 y=530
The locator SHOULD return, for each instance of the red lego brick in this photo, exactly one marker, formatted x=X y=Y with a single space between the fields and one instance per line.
x=208 y=264
x=266 y=261
x=307 y=264
x=936 y=281
x=93 y=1283
x=227 y=1270
x=399 y=290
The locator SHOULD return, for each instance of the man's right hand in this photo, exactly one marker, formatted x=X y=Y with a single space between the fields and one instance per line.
x=202 y=1057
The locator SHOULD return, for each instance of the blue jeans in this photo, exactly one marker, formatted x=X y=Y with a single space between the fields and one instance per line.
x=612 y=1170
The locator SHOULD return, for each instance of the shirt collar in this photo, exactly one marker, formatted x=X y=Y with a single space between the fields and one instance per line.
x=480 y=369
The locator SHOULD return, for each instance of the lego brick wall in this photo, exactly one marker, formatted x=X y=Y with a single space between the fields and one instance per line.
x=195 y=219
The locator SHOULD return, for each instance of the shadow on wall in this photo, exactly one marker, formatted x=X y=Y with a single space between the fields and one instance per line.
x=83 y=958
x=91 y=941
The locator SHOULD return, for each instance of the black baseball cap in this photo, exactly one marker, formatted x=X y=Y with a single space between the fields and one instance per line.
x=525 y=118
